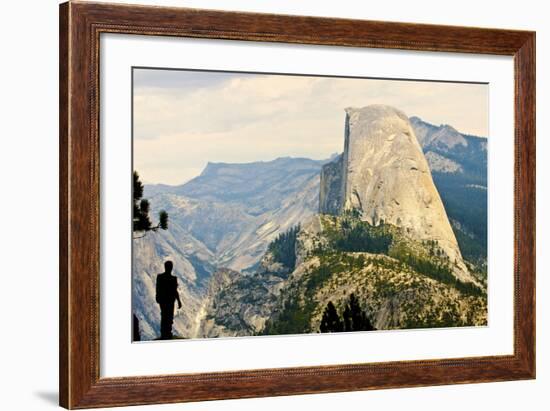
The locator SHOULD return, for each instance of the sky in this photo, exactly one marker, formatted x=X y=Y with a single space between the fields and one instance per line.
x=185 y=119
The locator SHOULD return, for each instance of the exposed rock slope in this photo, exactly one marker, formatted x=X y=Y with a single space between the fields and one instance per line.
x=441 y=164
x=223 y=219
x=191 y=267
x=237 y=209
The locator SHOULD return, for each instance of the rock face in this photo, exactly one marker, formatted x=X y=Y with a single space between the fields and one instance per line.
x=445 y=136
x=239 y=305
x=385 y=175
x=441 y=164
x=330 y=199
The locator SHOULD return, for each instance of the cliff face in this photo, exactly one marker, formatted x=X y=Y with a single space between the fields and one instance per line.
x=385 y=175
x=239 y=305
x=330 y=199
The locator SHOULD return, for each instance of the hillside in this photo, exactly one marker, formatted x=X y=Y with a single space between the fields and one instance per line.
x=398 y=282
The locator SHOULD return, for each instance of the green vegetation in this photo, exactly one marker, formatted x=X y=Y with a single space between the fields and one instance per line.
x=363 y=237
x=441 y=272
x=355 y=319
x=283 y=248
x=298 y=302
x=435 y=319
x=354 y=235
x=349 y=233
x=378 y=280
x=472 y=249
x=456 y=192
x=435 y=265
x=350 y=256
x=294 y=317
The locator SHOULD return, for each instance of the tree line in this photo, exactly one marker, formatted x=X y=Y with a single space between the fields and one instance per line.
x=283 y=248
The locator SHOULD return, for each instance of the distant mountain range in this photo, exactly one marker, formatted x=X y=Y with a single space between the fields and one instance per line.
x=228 y=215
x=235 y=210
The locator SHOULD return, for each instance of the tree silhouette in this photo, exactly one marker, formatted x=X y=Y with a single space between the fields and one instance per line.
x=348 y=325
x=141 y=221
x=353 y=318
x=331 y=321
x=358 y=320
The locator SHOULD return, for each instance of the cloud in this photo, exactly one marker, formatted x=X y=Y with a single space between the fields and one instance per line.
x=244 y=117
x=163 y=79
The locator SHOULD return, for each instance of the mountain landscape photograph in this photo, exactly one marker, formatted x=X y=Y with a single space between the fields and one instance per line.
x=271 y=204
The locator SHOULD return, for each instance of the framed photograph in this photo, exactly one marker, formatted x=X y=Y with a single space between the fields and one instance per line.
x=259 y=205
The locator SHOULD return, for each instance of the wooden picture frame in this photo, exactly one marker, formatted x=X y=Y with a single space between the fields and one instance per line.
x=80 y=27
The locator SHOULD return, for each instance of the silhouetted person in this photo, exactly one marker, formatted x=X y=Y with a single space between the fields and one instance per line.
x=167 y=295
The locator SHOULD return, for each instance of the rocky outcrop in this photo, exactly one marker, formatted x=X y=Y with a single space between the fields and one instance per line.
x=443 y=137
x=441 y=164
x=240 y=304
x=330 y=199
x=386 y=176
x=397 y=298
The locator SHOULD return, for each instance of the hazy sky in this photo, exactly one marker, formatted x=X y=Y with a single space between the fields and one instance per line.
x=183 y=119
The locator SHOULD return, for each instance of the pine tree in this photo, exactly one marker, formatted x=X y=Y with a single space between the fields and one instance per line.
x=141 y=221
x=347 y=319
x=330 y=321
x=355 y=313
x=358 y=320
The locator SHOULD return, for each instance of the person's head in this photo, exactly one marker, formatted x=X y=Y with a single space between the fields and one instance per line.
x=168 y=266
